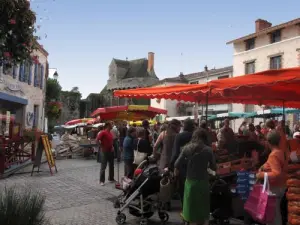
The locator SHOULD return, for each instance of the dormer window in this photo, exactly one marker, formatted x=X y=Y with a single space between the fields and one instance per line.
x=250 y=44
x=275 y=36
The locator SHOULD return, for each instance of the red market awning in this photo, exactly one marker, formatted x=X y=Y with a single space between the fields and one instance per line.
x=130 y=112
x=77 y=121
x=272 y=88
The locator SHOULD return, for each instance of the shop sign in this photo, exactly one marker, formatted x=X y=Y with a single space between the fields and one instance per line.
x=13 y=87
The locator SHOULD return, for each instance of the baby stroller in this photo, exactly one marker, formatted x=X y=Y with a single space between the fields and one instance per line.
x=141 y=197
x=221 y=202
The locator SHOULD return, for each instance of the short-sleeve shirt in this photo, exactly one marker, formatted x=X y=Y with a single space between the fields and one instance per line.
x=106 y=139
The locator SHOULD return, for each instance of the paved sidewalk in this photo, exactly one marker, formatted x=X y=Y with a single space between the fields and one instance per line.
x=74 y=195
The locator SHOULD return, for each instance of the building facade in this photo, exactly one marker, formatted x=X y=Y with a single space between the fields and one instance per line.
x=90 y=104
x=22 y=94
x=193 y=78
x=270 y=47
x=125 y=74
x=167 y=104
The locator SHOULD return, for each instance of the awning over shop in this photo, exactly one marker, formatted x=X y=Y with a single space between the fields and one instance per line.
x=278 y=111
x=272 y=88
x=236 y=115
x=12 y=98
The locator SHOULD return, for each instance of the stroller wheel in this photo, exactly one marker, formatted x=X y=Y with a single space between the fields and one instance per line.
x=163 y=216
x=121 y=218
x=143 y=221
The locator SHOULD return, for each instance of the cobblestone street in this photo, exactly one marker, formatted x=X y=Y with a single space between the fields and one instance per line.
x=74 y=196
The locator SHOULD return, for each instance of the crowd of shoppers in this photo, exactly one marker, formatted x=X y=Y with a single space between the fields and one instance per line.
x=186 y=149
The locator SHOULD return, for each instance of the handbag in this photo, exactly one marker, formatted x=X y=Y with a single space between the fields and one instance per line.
x=261 y=204
x=139 y=156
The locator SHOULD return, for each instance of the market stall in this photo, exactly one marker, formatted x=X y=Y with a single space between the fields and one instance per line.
x=280 y=88
x=129 y=113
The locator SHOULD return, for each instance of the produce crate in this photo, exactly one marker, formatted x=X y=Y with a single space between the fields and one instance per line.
x=223 y=168
x=239 y=164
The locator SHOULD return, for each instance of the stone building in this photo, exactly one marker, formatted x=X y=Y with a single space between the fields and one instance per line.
x=129 y=74
x=186 y=109
x=269 y=47
x=22 y=93
x=70 y=106
x=90 y=104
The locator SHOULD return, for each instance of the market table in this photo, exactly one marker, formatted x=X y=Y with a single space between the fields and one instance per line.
x=88 y=149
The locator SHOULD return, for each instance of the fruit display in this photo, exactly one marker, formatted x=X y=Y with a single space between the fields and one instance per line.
x=293 y=193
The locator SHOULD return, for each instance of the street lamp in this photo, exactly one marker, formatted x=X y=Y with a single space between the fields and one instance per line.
x=55 y=75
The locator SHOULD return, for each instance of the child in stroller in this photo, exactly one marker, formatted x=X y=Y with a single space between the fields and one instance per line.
x=141 y=196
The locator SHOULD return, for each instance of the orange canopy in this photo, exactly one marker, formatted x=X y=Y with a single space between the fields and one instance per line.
x=272 y=87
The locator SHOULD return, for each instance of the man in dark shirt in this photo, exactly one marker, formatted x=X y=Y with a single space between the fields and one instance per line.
x=180 y=141
x=105 y=139
x=148 y=137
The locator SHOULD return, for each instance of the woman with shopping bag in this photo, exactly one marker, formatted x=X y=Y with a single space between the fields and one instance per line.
x=264 y=201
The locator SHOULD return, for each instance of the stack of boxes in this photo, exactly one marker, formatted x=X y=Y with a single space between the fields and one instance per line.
x=245 y=182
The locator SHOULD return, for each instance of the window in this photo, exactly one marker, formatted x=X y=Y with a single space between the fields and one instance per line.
x=37 y=75
x=223 y=77
x=250 y=67
x=276 y=36
x=250 y=44
x=194 y=82
x=27 y=72
x=275 y=62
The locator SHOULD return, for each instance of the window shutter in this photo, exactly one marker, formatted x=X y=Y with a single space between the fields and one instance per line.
x=21 y=72
x=35 y=74
x=15 y=71
x=30 y=74
x=24 y=71
x=42 y=76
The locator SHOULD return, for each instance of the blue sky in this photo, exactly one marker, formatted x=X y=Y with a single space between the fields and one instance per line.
x=84 y=36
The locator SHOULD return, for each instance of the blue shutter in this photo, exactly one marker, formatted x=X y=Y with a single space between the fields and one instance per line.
x=21 y=72
x=23 y=77
x=15 y=71
x=30 y=74
x=42 y=76
x=35 y=74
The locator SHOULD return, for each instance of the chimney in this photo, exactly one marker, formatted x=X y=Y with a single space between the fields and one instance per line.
x=181 y=76
x=150 y=61
x=205 y=68
x=261 y=25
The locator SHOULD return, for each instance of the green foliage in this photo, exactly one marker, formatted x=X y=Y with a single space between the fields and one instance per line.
x=16 y=30
x=72 y=99
x=53 y=90
x=22 y=207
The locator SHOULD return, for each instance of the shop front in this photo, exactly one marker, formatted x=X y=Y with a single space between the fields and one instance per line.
x=22 y=94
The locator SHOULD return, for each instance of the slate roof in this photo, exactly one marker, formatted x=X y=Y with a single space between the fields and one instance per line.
x=131 y=74
x=197 y=75
x=179 y=79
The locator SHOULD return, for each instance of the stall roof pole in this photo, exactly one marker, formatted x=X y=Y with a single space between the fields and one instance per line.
x=206 y=111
